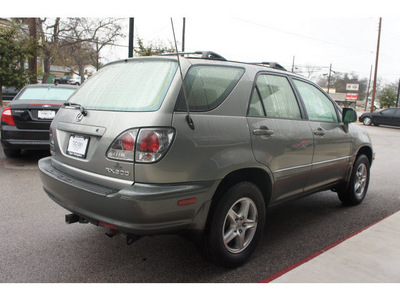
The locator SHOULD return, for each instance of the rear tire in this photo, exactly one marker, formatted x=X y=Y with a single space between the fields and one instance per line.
x=359 y=182
x=236 y=225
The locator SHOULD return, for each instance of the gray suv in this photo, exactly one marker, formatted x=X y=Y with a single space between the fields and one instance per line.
x=201 y=145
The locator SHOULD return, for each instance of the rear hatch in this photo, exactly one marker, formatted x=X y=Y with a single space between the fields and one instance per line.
x=119 y=110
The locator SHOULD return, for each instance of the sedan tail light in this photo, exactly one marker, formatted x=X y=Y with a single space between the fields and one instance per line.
x=7 y=117
x=145 y=145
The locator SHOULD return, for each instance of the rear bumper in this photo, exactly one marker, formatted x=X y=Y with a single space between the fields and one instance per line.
x=140 y=209
x=14 y=138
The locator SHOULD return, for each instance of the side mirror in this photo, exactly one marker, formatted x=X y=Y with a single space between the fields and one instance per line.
x=349 y=115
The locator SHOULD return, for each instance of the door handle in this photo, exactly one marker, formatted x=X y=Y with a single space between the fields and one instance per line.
x=263 y=131
x=319 y=131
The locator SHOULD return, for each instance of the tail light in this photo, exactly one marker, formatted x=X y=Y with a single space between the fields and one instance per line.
x=146 y=145
x=7 y=117
x=153 y=144
x=51 y=139
x=123 y=147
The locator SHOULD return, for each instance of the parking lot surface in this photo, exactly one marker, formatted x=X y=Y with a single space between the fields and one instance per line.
x=37 y=246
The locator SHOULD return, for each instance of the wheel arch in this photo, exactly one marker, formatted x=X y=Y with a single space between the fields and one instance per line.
x=260 y=177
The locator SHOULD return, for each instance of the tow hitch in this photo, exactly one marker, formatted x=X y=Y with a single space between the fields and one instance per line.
x=72 y=218
x=130 y=238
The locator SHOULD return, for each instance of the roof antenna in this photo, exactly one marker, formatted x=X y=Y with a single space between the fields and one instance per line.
x=188 y=118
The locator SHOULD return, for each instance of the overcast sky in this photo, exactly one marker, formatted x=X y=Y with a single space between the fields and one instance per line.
x=316 y=33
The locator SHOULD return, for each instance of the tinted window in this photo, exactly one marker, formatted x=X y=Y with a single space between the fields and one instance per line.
x=387 y=112
x=139 y=85
x=207 y=86
x=46 y=93
x=274 y=97
x=318 y=106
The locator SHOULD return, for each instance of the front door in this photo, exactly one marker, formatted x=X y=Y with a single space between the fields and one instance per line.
x=332 y=144
x=281 y=138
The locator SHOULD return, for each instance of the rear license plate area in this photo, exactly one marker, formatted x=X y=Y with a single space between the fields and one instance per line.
x=77 y=146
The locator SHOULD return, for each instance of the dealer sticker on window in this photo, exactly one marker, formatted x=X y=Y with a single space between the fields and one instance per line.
x=77 y=146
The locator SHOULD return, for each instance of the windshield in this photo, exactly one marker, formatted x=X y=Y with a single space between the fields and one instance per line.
x=139 y=85
x=46 y=93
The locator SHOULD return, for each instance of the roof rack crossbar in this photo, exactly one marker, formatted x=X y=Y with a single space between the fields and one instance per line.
x=273 y=65
x=204 y=54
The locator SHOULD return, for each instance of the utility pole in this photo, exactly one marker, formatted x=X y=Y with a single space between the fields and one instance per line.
x=183 y=35
x=398 y=94
x=33 y=61
x=329 y=77
x=130 y=50
x=369 y=84
x=293 y=64
x=376 y=66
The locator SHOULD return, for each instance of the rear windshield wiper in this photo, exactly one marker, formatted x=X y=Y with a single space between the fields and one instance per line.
x=76 y=105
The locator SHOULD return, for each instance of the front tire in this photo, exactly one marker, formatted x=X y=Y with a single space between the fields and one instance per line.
x=236 y=225
x=359 y=182
x=367 y=121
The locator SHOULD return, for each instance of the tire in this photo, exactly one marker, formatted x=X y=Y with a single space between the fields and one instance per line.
x=367 y=121
x=236 y=225
x=12 y=153
x=359 y=182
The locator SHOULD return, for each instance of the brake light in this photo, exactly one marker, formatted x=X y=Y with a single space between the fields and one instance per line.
x=141 y=145
x=7 y=117
x=123 y=146
x=153 y=144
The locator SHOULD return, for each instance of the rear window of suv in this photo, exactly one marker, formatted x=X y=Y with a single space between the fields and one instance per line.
x=207 y=86
x=139 y=85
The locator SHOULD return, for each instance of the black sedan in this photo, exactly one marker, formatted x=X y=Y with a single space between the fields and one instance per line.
x=390 y=116
x=25 y=122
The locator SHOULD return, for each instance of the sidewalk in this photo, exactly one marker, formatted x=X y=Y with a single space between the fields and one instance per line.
x=372 y=255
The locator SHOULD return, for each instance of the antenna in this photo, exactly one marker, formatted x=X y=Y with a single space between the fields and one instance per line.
x=188 y=118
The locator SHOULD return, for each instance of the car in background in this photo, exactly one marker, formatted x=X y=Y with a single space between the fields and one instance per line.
x=25 y=121
x=8 y=93
x=75 y=80
x=390 y=116
x=62 y=80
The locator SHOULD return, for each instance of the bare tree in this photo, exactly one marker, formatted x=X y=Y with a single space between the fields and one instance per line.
x=86 y=38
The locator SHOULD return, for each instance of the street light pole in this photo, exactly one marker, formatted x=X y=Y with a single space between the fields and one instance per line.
x=369 y=84
x=398 y=94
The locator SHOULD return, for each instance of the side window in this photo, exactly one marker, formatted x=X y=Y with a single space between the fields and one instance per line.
x=387 y=112
x=397 y=113
x=318 y=106
x=274 y=96
x=207 y=86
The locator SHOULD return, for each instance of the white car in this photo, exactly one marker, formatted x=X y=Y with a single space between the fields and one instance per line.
x=75 y=80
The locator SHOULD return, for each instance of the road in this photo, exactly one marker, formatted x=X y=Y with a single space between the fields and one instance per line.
x=37 y=246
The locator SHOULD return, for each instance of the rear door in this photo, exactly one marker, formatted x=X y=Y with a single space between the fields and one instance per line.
x=332 y=143
x=281 y=138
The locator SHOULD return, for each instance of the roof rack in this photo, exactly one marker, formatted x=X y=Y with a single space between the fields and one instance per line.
x=273 y=65
x=216 y=56
x=204 y=54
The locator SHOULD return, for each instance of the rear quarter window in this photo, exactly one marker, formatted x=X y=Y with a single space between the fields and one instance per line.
x=208 y=86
